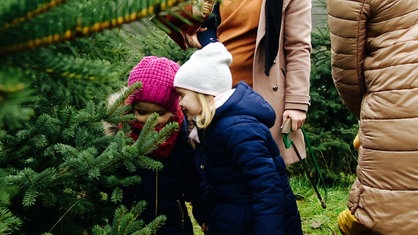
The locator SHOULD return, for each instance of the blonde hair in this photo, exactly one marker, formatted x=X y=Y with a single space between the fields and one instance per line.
x=207 y=102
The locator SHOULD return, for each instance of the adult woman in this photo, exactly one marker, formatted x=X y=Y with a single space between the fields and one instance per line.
x=272 y=57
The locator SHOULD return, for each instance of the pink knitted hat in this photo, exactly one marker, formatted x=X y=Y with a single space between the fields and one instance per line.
x=157 y=76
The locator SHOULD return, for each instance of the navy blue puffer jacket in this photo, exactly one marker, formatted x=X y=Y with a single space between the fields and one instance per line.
x=247 y=176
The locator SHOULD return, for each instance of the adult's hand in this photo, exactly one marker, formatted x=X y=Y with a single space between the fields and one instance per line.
x=298 y=117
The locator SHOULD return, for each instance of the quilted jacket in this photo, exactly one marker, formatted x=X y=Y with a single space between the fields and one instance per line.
x=375 y=69
x=241 y=162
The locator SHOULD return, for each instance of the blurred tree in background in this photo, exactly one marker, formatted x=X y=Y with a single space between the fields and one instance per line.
x=330 y=127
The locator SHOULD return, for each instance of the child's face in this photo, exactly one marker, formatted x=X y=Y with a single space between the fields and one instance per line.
x=142 y=110
x=189 y=102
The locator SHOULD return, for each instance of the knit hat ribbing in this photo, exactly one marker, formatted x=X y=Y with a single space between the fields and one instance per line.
x=156 y=75
x=207 y=71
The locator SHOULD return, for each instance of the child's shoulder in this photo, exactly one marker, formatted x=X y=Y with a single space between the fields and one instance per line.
x=240 y=124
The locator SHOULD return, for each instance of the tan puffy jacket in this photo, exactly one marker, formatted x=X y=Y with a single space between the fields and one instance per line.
x=375 y=69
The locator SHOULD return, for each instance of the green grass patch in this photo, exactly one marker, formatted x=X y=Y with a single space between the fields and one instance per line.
x=315 y=219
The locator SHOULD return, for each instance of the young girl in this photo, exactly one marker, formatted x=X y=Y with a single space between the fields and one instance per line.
x=238 y=157
x=165 y=191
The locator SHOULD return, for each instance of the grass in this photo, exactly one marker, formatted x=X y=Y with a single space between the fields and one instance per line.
x=315 y=219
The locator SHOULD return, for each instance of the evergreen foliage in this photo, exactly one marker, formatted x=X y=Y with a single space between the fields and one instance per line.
x=66 y=170
x=59 y=61
x=33 y=30
x=128 y=222
x=330 y=127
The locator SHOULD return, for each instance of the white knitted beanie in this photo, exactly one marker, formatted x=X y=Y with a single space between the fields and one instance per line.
x=207 y=71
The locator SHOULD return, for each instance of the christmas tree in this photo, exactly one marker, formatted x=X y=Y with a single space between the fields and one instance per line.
x=59 y=62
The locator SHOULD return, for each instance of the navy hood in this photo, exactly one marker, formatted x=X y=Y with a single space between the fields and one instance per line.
x=245 y=101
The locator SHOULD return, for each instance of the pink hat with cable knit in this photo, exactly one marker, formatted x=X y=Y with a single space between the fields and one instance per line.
x=156 y=75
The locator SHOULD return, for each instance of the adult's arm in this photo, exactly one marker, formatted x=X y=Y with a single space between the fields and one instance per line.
x=347 y=21
x=296 y=31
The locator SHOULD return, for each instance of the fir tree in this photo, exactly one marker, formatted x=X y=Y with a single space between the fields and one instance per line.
x=59 y=61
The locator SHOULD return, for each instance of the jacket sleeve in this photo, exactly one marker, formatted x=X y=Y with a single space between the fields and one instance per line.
x=296 y=29
x=347 y=22
x=250 y=152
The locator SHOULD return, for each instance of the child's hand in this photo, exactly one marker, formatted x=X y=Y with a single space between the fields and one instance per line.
x=205 y=227
x=192 y=41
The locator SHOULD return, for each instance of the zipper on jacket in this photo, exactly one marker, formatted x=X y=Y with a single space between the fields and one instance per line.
x=181 y=213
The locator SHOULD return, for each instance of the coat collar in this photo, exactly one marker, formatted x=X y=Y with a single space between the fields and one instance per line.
x=262 y=22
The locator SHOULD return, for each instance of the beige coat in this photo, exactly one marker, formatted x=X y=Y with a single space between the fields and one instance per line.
x=375 y=69
x=287 y=87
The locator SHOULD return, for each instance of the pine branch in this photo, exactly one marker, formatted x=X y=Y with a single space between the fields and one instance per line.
x=117 y=100
x=14 y=91
x=127 y=222
x=24 y=11
x=149 y=139
x=66 y=66
x=8 y=222
x=153 y=226
x=72 y=19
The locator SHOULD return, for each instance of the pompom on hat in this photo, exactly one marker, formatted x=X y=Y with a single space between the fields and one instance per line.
x=156 y=75
x=207 y=71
